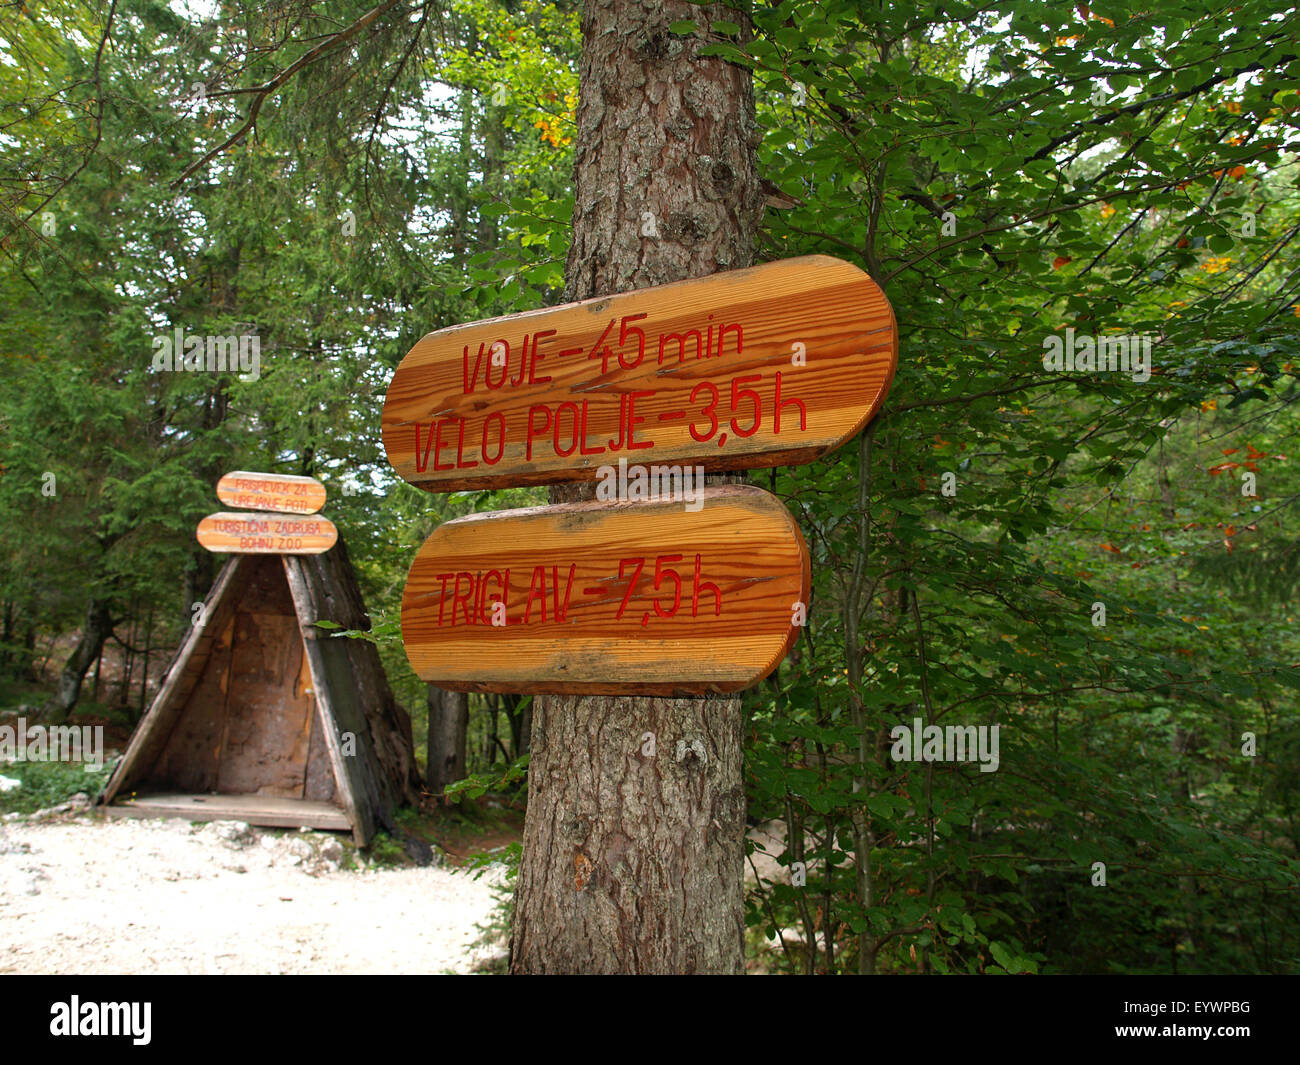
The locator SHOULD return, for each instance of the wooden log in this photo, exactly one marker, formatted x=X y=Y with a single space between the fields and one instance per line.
x=271 y=491
x=645 y=597
x=267 y=534
x=775 y=365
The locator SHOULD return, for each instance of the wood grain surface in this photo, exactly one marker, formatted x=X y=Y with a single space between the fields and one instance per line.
x=267 y=534
x=271 y=491
x=774 y=365
x=643 y=597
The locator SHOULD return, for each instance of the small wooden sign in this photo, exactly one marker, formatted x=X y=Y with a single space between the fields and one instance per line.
x=271 y=491
x=645 y=597
x=267 y=534
x=774 y=365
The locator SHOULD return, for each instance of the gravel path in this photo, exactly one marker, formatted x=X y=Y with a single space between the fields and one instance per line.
x=82 y=894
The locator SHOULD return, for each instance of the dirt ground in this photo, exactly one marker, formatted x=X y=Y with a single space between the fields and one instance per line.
x=83 y=894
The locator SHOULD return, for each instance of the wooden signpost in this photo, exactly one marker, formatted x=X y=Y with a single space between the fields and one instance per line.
x=646 y=597
x=271 y=491
x=774 y=365
x=267 y=534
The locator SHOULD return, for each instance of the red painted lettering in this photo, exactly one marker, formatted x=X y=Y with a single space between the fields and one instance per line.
x=602 y=353
x=573 y=439
x=614 y=445
x=533 y=430
x=582 y=436
x=461 y=464
x=500 y=357
x=709 y=410
x=633 y=421
x=523 y=363
x=462 y=600
x=704 y=586
x=681 y=339
x=501 y=598
x=500 y=419
x=533 y=379
x=740 y=338
x=536 y=591
x=438 y=446
x=781 y=404
x=662 y=571
x=623 y=563
x=624 y=331
x=560 y=610
x=737 y=394
x=442 y=596
x=470 y=380
x=422 y=464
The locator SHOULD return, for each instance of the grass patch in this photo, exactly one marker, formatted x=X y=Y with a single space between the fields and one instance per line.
x=47 y=784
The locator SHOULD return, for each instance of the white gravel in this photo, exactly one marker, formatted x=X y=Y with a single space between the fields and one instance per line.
x=83 y=894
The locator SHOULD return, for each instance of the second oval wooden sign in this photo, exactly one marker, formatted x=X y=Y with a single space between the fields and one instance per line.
x=239 y=533
x=774 y=365
x=644 y=597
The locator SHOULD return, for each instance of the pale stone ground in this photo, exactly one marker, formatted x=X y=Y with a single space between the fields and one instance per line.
x=82 y=894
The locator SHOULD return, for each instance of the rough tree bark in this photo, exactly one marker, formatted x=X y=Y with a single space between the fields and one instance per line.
x=448 y=725
x=97 y=629
x=634 y=844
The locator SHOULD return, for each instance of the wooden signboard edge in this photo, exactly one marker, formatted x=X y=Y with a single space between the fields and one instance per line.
x=795 y=456
x=543 y=687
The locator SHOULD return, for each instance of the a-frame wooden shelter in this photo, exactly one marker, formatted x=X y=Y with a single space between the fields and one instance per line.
x=265 y=718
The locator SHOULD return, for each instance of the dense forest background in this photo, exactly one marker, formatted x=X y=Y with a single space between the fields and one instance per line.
x=1104 y=567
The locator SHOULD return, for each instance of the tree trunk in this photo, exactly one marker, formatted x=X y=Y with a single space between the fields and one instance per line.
x=98 y=626
x=144 y=671
x=6 y=650
x=634 y=838
x=448 y=725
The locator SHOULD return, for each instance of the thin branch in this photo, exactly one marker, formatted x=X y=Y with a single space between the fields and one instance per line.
x=263 y=92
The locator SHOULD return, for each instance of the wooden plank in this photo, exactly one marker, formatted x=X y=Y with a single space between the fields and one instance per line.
x=775 y=365
x=266 y=810
x=583 y=609
x=267 y=534
x=318 y=782
x=190 y=759
x=185 y=668
x=269 y=705
x=271 y=491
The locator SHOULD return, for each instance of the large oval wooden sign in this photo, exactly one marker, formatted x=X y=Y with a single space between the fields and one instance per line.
x=645 y=597
x=267 y=534
x=271 y=491
x=774 y=365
